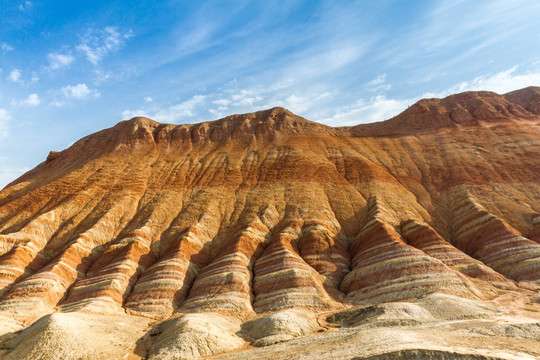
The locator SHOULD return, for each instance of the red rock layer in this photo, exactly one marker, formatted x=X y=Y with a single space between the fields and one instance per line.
x=283 y=279
x=29 y=238
x=165 y=284
x=324 y=248
x=494 y=242
x=42 y=291
x=385 y=268
x=23 y=249
x=425 y=238
x=225 y=284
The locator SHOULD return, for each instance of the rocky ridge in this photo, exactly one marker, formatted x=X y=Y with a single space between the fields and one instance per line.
x=257 y=229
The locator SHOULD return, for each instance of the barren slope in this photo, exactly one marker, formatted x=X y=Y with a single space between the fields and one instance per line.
x=196 y=235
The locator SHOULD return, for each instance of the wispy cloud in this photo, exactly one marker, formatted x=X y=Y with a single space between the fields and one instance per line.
x=25 y=5
x=222 y=102
x=380 y=108
x=95 y=45
x=305 y=104
x=31 y=100
x=5 y=47
x=452 y=40
x=79 y=92
x=376 y=109
x=500 y=82
x=15 y=76
x=316 y=62
x=378 y=84
x=57 y=61
x=172 y=114
x=147 y=99
x=245 y=98
x=236 y=100
x=101 y=76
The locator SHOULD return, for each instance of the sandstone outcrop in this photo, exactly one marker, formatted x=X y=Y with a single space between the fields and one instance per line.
x=195 y=335
x=253 y=229
x=280 y=326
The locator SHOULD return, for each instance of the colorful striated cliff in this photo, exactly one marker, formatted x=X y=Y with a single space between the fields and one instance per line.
x=252 y=228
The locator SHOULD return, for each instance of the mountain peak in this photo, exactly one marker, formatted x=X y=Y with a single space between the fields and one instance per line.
x=528 y=98
x=470 y=108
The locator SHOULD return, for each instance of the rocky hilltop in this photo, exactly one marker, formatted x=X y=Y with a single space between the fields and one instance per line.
x=267 y=230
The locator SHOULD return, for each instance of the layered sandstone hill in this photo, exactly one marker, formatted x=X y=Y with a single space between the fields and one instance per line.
x=181 y=241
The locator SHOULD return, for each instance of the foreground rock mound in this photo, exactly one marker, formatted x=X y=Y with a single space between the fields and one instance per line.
x=264 y=229
x=78 y=336
x=281 y=326
x=194 y=336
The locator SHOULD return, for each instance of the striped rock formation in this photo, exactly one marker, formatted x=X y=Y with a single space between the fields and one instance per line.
x=284 y=279
x=258 y=215
x=425 y=238
x=494 y=242
x=384 y=268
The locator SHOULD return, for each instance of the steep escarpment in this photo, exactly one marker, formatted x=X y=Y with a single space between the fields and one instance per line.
x=223 y=230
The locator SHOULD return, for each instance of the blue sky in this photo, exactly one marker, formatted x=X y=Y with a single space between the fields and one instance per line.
x=69 y=68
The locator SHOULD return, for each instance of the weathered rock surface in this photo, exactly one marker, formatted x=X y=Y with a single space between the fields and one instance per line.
x=79 y=336
x=253 y=229
x=195 y=335
x=280 y=326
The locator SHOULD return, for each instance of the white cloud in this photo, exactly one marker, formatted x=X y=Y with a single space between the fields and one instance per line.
x=245 y=98
x=221 y=102
x=377 y=109
x=297 y=102
x=5 y=47
x=501 y=82
x=314 y=63
x=147 y=99
x=101 y=76
x=79 y=92
x=171 y=114
x=301 y=104
x=31 y=100
x=217 y=113
x=15 y=76
x=378 y=84
x=128 y=114
x=380 y=108
x=57 y=103
x=97 y=44
x=34 y=78
x=25 y=6
x=236 y=100
x=57 y=61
